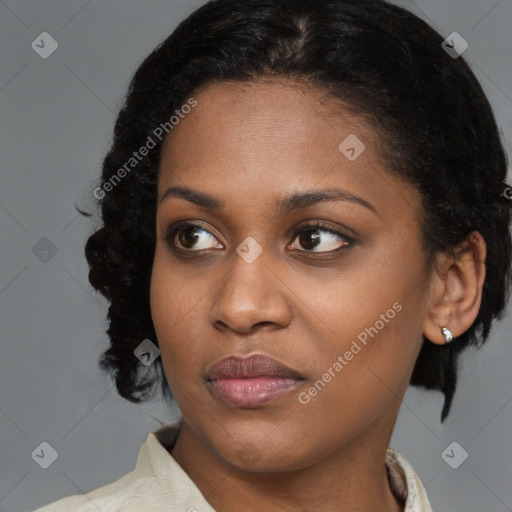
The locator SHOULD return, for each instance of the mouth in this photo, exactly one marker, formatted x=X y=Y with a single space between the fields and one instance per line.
x=252 y=381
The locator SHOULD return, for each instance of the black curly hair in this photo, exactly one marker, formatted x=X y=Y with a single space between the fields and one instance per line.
x=435 y=123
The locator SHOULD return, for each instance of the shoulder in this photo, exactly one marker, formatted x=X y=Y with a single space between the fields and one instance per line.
x=406 y=483
x=138 y=488
x=110 y=497
x=157 y=483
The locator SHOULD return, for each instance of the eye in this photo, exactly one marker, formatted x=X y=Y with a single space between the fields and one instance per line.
x=315 y=237
x=318 y=238
x=191 y=237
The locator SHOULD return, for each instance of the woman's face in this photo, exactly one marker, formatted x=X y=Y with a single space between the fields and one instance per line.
x=335 y=290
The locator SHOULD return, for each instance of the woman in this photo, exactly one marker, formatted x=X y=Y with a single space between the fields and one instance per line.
x=304 y=211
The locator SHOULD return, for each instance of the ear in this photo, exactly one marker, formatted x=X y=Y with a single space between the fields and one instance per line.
x=456 y=291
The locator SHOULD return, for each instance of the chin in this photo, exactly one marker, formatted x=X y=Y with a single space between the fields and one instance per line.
x=257 y=451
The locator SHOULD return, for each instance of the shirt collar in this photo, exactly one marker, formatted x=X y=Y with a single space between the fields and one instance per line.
x=181 y=490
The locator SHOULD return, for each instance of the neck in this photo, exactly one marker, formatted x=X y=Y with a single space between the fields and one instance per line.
x=353 y=477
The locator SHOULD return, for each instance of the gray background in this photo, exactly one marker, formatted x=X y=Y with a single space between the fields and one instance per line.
x=56 y=117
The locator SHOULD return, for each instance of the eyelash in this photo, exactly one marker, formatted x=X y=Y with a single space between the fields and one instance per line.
x=174 y=229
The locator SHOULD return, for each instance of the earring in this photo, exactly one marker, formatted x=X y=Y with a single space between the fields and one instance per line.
x=448 y=336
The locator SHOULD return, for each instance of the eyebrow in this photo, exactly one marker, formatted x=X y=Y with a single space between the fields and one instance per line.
x=284 y=205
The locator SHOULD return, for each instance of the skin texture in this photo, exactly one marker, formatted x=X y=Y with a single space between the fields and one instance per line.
x=249 y=145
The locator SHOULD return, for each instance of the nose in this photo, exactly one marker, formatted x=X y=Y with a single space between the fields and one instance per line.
x=252 y=294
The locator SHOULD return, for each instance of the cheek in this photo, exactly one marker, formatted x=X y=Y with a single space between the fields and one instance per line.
x=172 y=298
x=169 y=305
x=373 y=322
x=360 y=379
x=162 y=298
x=176 y=307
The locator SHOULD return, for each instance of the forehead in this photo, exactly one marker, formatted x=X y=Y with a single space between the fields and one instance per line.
x=269 y=121
x=279 y=135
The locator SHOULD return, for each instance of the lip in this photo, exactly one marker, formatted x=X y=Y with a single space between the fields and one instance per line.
x=251 y=381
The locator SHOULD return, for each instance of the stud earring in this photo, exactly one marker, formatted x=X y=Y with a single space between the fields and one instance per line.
x=448 y=336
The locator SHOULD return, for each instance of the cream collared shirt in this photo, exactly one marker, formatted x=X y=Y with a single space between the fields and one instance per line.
x=159 y=484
